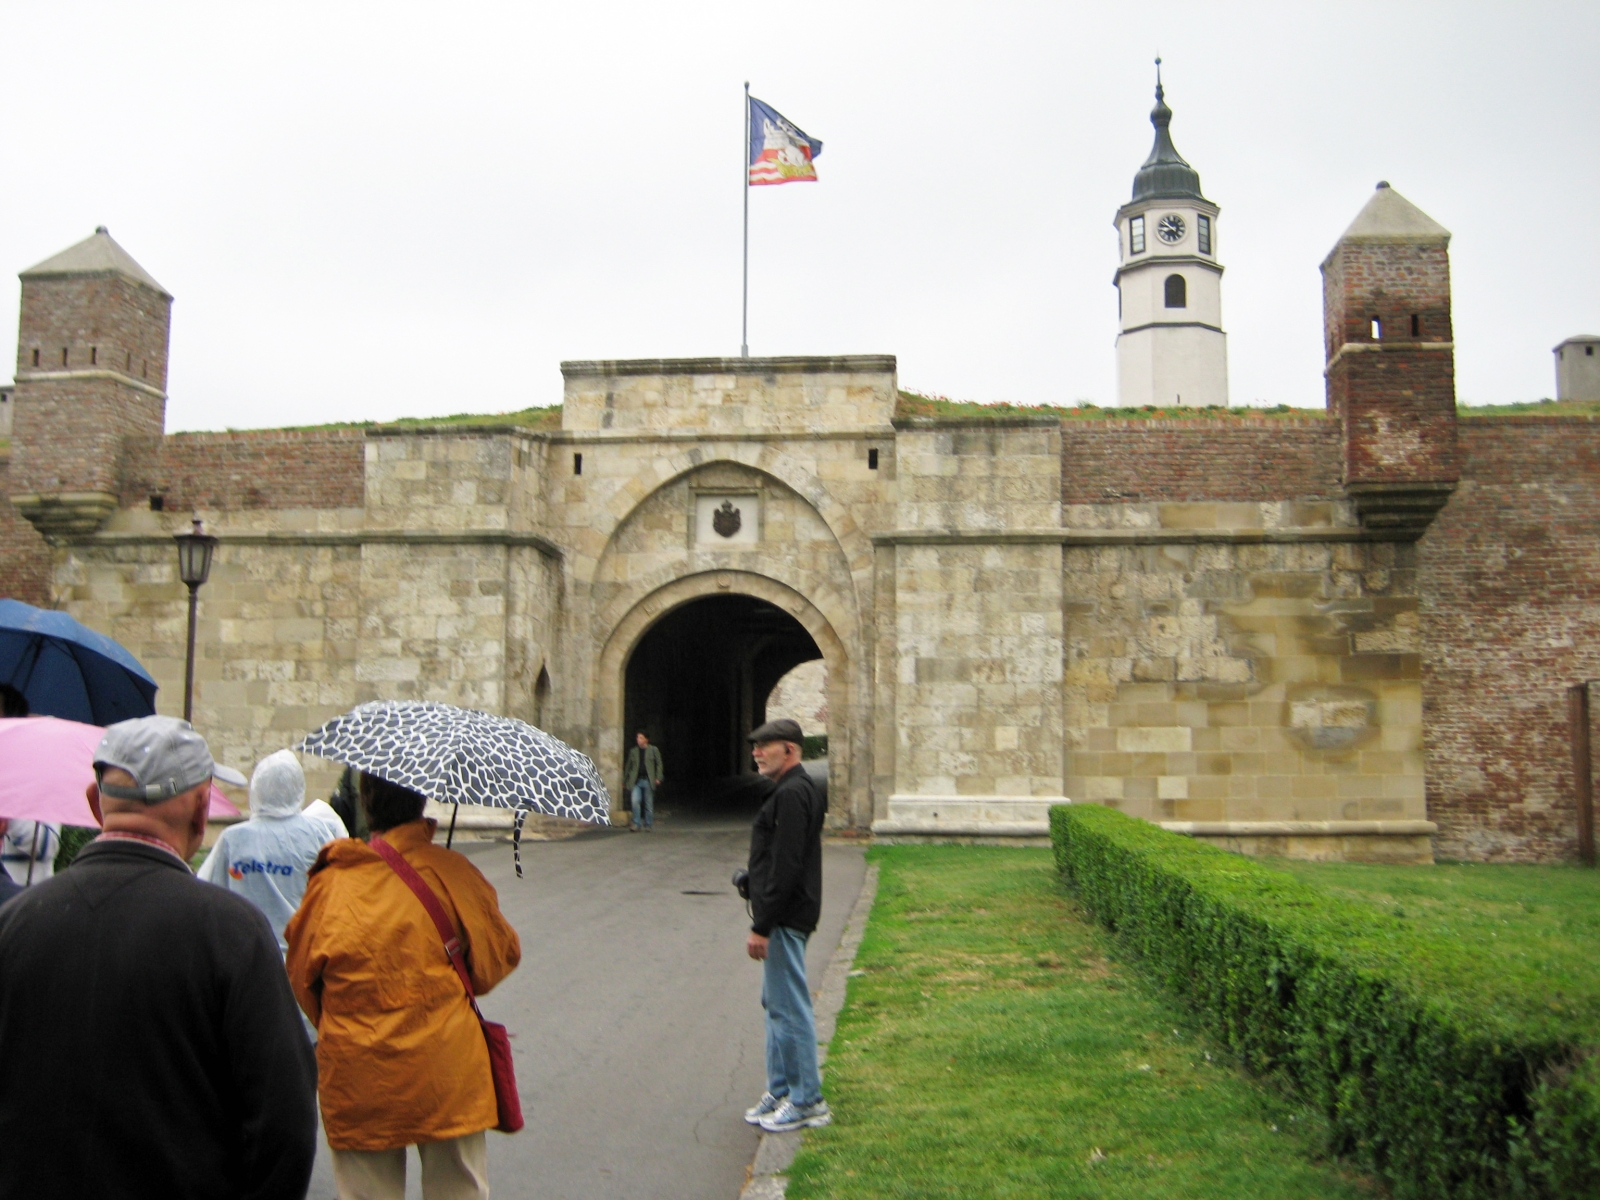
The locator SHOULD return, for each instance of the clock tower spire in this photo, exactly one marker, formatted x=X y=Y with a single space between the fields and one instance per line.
x=1172 y=351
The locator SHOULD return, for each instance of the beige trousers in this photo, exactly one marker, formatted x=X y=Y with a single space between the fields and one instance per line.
x=455 y=1169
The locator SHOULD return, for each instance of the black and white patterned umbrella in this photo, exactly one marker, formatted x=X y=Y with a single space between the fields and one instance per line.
x=461 y=756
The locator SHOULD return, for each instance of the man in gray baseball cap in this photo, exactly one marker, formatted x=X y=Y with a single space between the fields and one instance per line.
x=149 y=1011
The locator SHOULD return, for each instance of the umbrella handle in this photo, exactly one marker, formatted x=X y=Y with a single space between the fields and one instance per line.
x=451 y=835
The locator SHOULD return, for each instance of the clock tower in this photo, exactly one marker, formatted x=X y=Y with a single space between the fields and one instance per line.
x=1172 y=351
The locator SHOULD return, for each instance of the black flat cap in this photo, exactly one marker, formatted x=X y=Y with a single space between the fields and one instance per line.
x=781 y=730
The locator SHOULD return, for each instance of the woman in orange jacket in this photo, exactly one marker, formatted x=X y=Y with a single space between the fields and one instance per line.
x=401 y=1057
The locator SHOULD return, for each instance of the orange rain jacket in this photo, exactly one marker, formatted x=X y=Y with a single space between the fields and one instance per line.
x=400 y=1055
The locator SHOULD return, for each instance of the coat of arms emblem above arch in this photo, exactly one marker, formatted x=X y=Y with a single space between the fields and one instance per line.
x=726 y=520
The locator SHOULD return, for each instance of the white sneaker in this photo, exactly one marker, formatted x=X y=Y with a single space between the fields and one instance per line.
x=791 y=1116
x=765 y=1106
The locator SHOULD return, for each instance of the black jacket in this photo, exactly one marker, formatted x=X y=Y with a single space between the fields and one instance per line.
x=151 y=1044
x=786 y=856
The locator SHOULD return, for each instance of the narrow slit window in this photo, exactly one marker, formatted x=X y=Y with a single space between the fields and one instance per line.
x=872 y=459
x=1136 y=236
x=36 y=356
x=1203 y=233
x=130 y=361
x=63 y=356
x=577 y=464
x=1588 y=351
x=1376 y=330
x=94 y=356
x=1177 y=292
x=1416 y=325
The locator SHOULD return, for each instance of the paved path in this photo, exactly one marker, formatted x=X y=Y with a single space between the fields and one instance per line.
x=636 y=1013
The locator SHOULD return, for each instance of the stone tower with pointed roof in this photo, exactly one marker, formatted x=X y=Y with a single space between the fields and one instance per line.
x=1391 y=362
x=91 y=381
x=1171 y=351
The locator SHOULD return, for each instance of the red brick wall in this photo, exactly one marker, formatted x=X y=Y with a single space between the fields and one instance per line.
x=1394 y=395
x=24 y=557
x=1510 y=581
x=102 y=322
x=258 y=468
x=1228 y=459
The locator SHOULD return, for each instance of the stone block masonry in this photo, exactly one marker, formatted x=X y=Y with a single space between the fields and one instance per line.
x=1245 y=629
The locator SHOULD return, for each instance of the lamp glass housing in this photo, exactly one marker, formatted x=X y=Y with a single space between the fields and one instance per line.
x=194 y=554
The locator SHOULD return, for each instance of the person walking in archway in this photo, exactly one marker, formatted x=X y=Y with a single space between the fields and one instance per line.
x=640 y=778
x=785 y=885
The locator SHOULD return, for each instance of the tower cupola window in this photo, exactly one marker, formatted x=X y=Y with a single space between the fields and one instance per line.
x=1177 y=292
x=1202 y=232
x=1136 y=236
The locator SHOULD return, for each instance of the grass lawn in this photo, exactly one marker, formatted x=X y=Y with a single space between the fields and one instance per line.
x=989 y=1048
x=1532 y=929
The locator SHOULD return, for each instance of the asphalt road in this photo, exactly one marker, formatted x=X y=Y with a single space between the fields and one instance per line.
x=636 y=1015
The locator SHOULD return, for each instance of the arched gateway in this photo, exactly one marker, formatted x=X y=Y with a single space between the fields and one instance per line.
x=692 y=664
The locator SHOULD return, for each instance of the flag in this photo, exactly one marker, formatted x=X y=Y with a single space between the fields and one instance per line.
x=780 y=152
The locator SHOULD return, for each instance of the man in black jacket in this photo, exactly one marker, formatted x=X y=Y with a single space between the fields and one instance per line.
x=786 y=900
x=152 y=1045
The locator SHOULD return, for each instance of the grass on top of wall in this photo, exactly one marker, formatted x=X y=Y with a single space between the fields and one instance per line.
x=990 y=1047
x=918 y=404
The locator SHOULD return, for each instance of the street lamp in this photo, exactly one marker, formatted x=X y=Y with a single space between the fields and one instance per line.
x=195 y=549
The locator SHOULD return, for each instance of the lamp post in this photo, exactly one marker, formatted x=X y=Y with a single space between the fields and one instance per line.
x=195 y=549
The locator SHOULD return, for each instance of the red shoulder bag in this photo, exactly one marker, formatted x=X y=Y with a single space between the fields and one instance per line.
x=495 y=1037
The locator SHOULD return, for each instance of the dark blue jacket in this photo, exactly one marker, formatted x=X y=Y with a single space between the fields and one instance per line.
x=162 y=1050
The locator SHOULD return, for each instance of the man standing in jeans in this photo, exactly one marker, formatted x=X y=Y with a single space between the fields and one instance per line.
x=640 y=779
x=785 y=901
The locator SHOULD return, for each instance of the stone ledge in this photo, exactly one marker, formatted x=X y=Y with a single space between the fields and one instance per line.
x=785 y=365
x=1138 y=537
x=1302 y=828
x=923 y=816
x=347 y=537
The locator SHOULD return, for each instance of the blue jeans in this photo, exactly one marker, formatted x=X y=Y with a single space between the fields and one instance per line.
x=791 y=1029
x=644 y=803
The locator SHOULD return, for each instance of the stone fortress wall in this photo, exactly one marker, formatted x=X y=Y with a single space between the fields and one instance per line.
x=1338 y=637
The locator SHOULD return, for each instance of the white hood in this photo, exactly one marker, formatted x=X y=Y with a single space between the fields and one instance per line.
x=278 y=787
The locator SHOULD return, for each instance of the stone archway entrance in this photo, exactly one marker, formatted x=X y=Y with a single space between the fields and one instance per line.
x=692 y=664
x=698 y=680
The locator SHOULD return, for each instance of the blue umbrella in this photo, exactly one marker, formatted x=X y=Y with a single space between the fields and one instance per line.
x=67 y=670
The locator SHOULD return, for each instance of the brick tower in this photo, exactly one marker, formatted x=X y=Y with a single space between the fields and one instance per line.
x=1391 y=362
x=91 y=376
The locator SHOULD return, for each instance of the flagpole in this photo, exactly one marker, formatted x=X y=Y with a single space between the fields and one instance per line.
x=744 y=162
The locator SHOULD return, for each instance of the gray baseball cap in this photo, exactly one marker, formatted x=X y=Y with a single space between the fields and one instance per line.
x=165 y=756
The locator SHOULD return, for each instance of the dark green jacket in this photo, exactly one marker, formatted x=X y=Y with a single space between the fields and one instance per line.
x=652 y=767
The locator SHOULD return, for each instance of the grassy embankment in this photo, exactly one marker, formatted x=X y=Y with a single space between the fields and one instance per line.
x=990 y=1048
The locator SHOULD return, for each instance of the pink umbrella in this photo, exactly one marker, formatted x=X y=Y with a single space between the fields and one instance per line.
x=47 y=763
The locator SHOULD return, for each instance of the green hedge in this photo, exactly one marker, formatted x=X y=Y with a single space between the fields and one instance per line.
x=1430 y=1071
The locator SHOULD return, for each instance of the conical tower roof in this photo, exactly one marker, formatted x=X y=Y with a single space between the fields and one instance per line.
x=1390 y=217
x=95 y=255
x=1165 y=175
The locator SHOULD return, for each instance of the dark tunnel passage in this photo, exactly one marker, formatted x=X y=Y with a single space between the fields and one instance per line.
x=698 y=682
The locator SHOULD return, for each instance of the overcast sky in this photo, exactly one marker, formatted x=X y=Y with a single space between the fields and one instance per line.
x=397 y=209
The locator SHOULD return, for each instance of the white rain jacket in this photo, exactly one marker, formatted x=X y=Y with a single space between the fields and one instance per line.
x=265 y=859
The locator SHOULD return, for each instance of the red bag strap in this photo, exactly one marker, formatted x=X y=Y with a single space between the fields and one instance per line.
x=441 y=919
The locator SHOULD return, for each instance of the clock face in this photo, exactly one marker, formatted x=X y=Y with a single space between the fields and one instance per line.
x=1170 y=228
